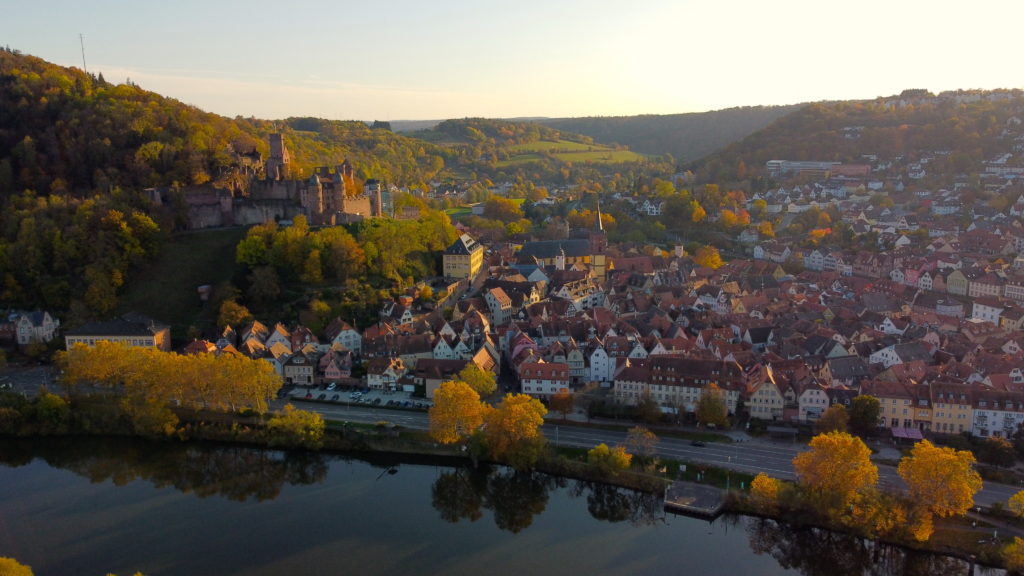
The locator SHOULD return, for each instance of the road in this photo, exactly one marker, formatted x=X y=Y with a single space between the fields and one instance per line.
x=751 y=456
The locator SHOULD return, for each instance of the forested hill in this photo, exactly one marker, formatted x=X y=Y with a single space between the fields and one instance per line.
x=953 y=132
x=63 y=130
x=77 y=151
x=687 y=137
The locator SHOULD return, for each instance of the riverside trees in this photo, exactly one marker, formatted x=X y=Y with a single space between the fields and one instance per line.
x=141 y=375
x=509 y=431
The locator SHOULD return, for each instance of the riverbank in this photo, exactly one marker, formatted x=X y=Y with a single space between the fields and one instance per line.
x=98 y=417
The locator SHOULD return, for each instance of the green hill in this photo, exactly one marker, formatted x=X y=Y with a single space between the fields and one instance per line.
x=954 y=133
x=685 y=136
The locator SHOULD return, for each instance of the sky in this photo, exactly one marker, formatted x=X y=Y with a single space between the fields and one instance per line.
x=418 y=60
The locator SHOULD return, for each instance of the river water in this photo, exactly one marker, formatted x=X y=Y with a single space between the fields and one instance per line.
x=87 y=506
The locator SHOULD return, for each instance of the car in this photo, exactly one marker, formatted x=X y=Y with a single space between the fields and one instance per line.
x=376 y=400
x=309 y=395
x=335 y=396
x=406 y=403
x=332 y=386
x=698 y=443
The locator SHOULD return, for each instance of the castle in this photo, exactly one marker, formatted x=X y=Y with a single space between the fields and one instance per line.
x=329 y=196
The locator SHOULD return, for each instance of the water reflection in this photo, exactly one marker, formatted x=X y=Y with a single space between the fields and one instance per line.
x=612 y=504
x=513 y=497
x=817 y=552
x=237 y=473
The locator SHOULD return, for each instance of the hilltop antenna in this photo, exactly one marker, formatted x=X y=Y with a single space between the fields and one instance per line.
x=81 y=42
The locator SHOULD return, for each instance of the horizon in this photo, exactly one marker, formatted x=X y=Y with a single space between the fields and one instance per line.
x=411 y=62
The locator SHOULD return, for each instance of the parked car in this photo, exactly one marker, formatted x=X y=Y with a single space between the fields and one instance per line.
x=332 y=386
x=376 y=400
x=321 y=396
x=335 y=396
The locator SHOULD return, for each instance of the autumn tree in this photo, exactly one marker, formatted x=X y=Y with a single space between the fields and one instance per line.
x=941 y=480
x=764 y=490
x=864 y=414
x=11 y=567
x=607 y=460
x=457 y=412
x=835 y=469
x=503 y=209
x=232 y=313
x=641 y=441
x=1013 y=555
x=1016 y=503
x=296 y=428
x=708 y=257
x=483 y=382
x=997 y=452
x=711 y=409
x=563 y=402
x=513 y=430
x=835 y=419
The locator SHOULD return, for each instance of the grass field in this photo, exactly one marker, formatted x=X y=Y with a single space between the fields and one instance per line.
x=568 y=152
x=166 y=289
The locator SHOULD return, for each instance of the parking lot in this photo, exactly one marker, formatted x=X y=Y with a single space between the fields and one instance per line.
x=362 y=397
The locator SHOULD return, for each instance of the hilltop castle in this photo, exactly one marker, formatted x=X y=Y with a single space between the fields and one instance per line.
x=264 y=190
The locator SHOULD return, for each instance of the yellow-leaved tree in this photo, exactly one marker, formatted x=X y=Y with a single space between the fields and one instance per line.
x=765 y=491
x=941 y=480
x=609 y=460
x=457 y=412
x=513 y=430
x=835 y=469
x=1016 y=503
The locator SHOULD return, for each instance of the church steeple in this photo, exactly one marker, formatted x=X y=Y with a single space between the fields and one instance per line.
x=600 y=225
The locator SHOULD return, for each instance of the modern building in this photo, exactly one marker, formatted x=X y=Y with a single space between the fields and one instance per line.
x=130 y=329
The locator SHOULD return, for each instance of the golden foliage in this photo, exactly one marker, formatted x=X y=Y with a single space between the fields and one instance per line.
x=457 y=412
x=1013 y=555
x=708 y=256
x=225 y=382
x=876 y=514
x=1016 y=503
x=609 y=460
x=296 y=428
x=11 y=567
x=836 y=467
x=940 y=479
x=480 y=380
x=516 y=420
x=765 y=491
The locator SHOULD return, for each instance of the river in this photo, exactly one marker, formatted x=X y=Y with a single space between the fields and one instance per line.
x=88 y=506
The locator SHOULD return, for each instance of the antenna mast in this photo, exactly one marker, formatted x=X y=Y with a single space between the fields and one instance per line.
x=81 y=41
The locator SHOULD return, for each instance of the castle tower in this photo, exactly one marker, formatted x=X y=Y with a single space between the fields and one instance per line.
x=560 y=259
x=313 y=197
x=336 y=198
x=372 y=188
x=279 y=161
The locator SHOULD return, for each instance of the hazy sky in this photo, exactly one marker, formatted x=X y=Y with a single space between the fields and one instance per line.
x=393 y=60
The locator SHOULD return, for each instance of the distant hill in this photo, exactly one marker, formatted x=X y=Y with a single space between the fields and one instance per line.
x=687 y=137
x=950 y=133
x=499 y=148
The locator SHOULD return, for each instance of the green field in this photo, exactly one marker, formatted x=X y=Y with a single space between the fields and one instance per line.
x=566 y=151
x=166 y=289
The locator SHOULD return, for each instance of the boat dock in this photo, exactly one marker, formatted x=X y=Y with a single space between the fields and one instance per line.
x=694 y=499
